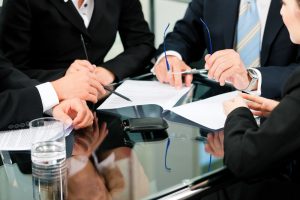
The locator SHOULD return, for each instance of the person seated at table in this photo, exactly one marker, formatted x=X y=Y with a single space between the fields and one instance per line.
x=42 y=38
x=260 y=61
x=250 y=150
x=22 y=101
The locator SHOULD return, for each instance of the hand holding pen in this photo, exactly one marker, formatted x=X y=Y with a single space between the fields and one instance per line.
x=94 y=70
x=175 y=75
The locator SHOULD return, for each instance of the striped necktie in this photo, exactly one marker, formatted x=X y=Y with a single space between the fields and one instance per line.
x=248 y=34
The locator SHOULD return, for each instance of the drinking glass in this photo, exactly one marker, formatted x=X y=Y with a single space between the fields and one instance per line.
x=48 y=156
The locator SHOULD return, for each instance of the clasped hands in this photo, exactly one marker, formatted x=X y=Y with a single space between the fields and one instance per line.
x=82 y=82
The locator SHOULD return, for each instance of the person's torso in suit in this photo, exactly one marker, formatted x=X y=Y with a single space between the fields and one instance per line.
x=46 y=35
x=252 y=150
x=190 y=39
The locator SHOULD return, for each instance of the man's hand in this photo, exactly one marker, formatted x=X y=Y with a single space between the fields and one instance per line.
x=226 y=65
x=234 y=103
x=82 y=84
x=174 y=77
x=215 y=144
x=74 y=111
x=80 y=65
x=104 y=76
x=260 y=106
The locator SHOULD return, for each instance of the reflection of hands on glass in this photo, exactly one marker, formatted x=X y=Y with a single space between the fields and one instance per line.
x=114 y=179
x=226 y=65
x=118 y=178
x=75 y=112
x=234 y=103
x=174 y=77
x=215 y=144
x=87 y=184
x=260 y=106
x=80 y=65
x=88 y=139
x=81 y=84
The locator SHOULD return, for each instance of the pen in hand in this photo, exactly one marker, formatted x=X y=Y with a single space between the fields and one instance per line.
x=192 y=71
x=105 y=87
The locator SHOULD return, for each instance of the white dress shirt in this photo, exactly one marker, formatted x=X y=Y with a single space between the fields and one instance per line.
x=263 y=10
x=85 y=10
x=48 y=95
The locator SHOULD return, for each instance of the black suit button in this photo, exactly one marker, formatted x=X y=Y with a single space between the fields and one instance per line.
x=11 y=126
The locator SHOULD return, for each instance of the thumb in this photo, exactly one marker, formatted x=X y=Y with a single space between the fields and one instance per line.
x=62 y=116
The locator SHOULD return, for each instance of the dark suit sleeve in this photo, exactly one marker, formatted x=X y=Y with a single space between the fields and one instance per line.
x=19 y=99
x=274 y=78
x=187 y=38
x=137 y=40
x=250 y=150
x=11 y=78
x=19 y=106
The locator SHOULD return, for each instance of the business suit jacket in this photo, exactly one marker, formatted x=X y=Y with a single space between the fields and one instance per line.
x=20 y=100
x=251 y=150
x=278 y=55
x=42 y=38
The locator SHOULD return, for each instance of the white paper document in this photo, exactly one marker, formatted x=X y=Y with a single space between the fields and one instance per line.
x=143 y=93
x=208 y=112
x=18 y=140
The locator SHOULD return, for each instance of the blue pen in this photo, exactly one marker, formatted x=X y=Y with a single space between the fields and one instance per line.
x=167 y=63
x=208 y=35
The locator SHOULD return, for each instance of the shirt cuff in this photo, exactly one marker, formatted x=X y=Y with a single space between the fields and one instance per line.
x=259 y=81
x=168 y=53
x=48 y=96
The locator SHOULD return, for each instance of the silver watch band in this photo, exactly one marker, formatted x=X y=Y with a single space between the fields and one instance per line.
x=254 y=79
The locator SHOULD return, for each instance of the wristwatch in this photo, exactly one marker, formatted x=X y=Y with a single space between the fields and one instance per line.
x=254 y=78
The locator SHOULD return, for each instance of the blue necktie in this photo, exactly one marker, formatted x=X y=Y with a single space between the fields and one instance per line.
x=248 y=34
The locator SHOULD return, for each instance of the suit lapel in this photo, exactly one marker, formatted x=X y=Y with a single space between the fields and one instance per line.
x=99 y=6
x=68 y=10
x=273 y=25
x=231 y=11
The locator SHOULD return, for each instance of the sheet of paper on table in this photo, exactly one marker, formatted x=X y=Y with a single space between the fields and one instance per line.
x=143 y=93
x=208 y=112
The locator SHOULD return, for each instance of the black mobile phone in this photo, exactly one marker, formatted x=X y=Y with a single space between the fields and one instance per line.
x=144 y=124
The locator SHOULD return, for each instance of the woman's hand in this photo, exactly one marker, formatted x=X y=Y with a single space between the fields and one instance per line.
x=260 y=106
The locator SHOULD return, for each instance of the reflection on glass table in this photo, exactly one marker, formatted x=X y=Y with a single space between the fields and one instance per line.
x=108 y=163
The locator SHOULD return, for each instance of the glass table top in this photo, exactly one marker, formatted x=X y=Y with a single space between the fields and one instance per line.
x=105 y=161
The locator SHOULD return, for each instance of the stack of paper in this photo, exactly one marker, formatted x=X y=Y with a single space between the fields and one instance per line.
x=17 y=140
